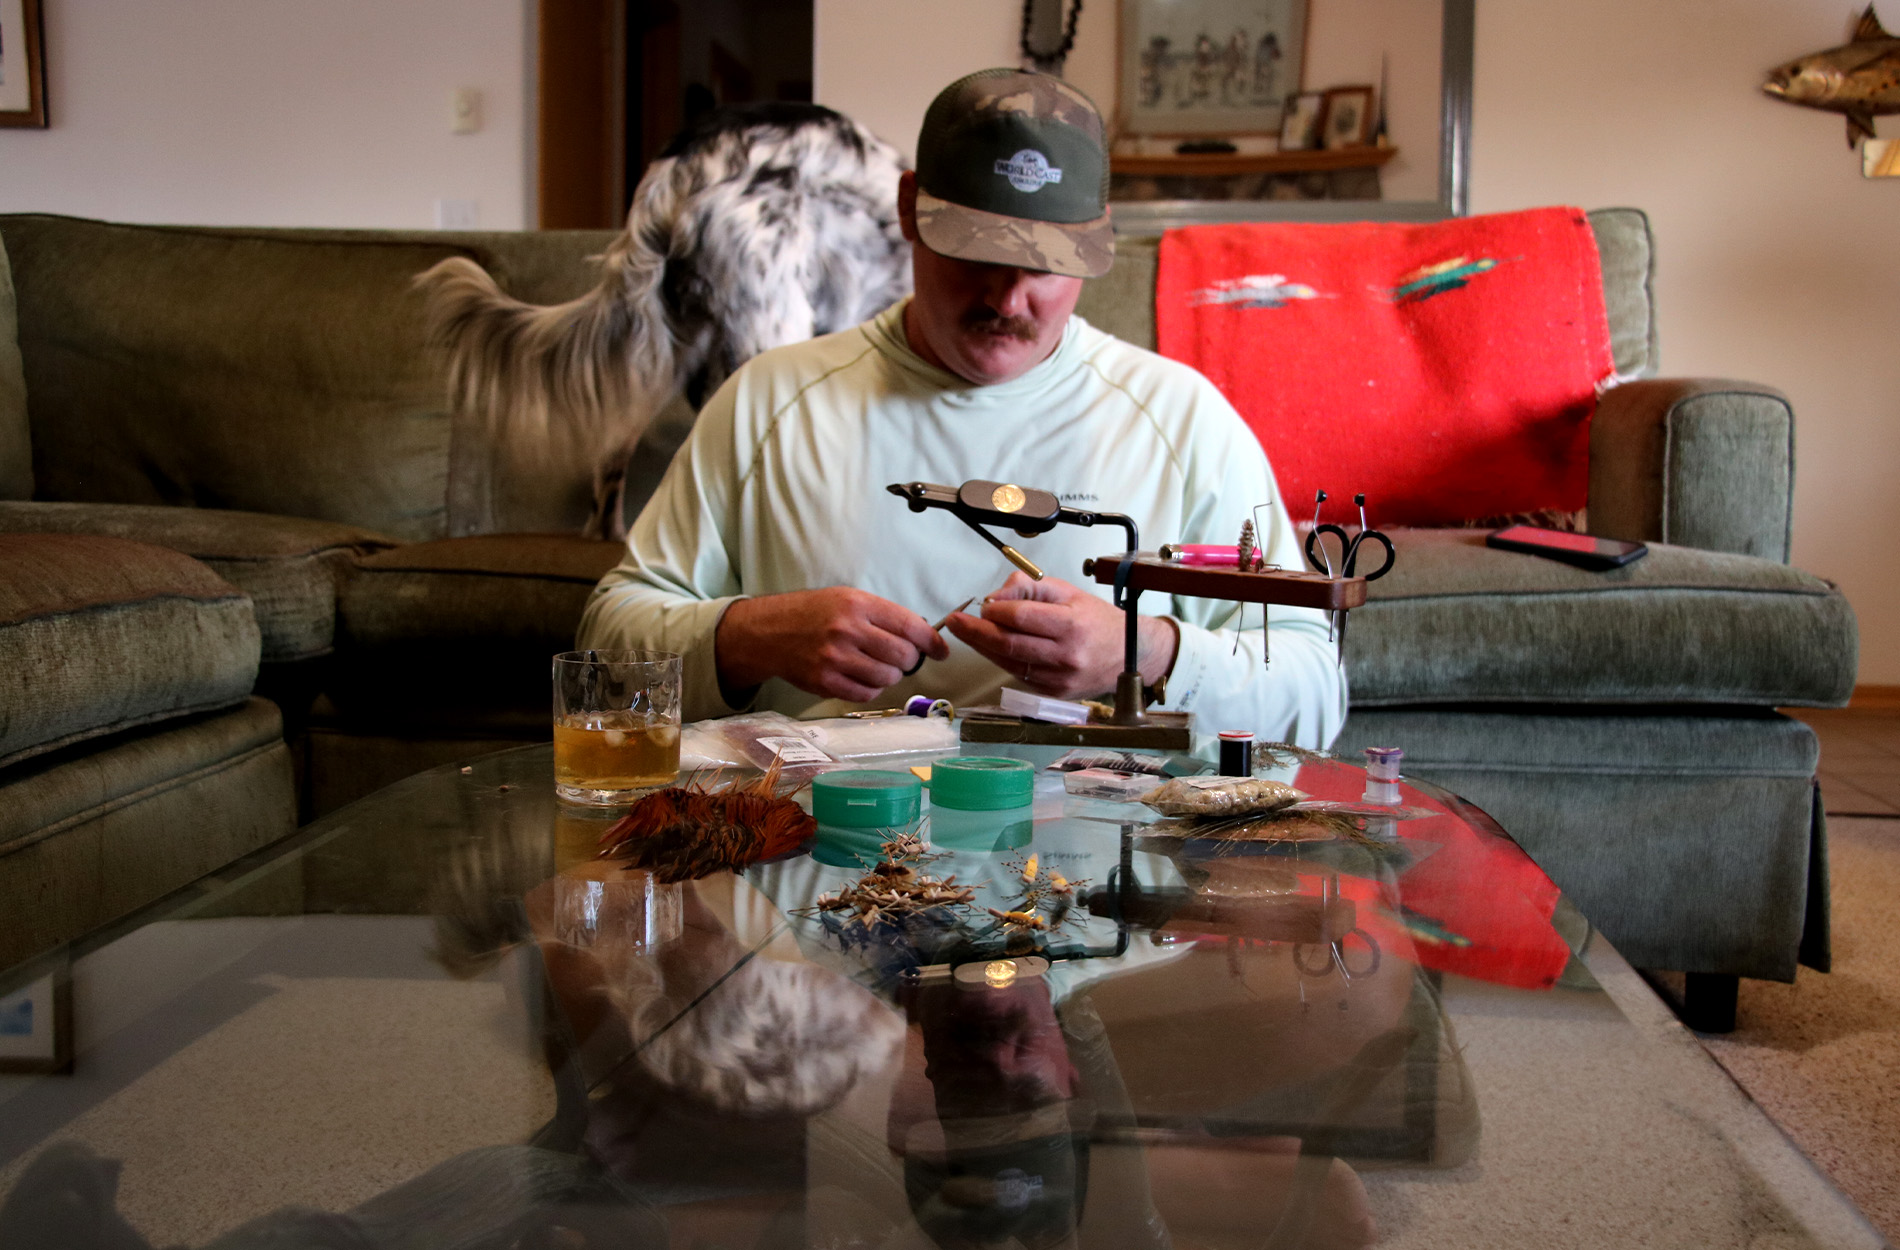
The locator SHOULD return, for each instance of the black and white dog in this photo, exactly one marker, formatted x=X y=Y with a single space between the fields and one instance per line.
x=760 y=225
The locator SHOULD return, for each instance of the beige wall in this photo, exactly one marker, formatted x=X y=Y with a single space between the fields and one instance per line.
x=275 y=112
x=1776 y=260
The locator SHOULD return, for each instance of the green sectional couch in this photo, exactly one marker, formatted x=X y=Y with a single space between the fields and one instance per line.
x=264 y=402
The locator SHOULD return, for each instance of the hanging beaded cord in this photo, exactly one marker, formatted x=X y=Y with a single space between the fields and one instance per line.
x=1051 y=59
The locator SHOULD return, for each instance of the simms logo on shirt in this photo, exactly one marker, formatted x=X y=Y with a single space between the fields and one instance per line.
x=1028 y=170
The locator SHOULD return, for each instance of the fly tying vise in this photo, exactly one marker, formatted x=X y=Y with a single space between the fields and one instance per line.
x=1240 y=573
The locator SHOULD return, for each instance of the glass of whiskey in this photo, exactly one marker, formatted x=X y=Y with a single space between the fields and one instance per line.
x=616 y=725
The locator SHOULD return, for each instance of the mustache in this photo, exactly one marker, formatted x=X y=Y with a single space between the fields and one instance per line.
x=995 y=323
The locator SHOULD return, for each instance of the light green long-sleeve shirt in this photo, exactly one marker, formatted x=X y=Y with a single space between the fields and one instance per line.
x=781 y=487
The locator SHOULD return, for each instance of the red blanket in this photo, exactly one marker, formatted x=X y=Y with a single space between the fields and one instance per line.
x=1447 y=370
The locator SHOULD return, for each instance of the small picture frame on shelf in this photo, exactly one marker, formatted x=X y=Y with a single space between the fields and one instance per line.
x=1346 y=119
x=1300 y=128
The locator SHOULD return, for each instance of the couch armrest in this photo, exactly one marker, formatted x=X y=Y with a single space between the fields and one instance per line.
x=1698 y=462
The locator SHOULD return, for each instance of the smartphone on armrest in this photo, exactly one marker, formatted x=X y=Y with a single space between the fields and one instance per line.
x=1582 y=550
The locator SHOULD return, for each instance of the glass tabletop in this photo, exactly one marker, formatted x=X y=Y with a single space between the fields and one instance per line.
x=435 y=1018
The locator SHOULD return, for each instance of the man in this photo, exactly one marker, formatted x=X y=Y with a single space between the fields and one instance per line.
x=773 y=559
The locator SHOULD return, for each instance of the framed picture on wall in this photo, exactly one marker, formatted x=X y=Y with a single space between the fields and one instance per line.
x=22 y=65
x=1209 y=67
x=1346 y=121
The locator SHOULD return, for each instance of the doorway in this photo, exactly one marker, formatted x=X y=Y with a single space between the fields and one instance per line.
x=617 y=79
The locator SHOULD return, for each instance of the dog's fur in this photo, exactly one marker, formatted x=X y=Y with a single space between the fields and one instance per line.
x=759 y=226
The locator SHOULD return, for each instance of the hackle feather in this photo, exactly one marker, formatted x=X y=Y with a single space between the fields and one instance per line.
x=686 y=832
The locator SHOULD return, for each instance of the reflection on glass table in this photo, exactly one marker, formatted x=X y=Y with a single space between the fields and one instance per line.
x=434 y=1018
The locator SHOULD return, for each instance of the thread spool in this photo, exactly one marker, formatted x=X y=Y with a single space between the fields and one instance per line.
x=1382 y=774
x=1236 y=753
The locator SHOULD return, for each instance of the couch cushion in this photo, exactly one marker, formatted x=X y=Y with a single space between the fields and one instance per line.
x=89 y=836
x=1458 y=622
x=232 y=370
x=1628 y=261
x=1122 y=301
x=16 y=448
x=98 y=635
x=289 y=566
x=483 y=615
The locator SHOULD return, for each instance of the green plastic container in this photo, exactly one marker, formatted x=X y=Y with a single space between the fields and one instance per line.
x=982 y=783
x=981 y=803
x=860 y=809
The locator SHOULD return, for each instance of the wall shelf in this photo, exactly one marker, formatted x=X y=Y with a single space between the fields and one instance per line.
x=1216 y=164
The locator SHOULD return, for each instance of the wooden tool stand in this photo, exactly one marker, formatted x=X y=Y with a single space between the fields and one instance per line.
x=1167 y=731
x=1289 y=588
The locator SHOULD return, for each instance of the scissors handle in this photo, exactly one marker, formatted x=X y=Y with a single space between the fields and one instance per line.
x=1369 y=965
x=1323 y=968
x=1349 y=551
x=1352 y=554
x=1316 y=552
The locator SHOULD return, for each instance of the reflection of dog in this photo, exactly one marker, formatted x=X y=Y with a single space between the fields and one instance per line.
x=759 y=226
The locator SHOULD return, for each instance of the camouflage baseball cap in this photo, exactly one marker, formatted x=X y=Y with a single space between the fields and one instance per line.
x=1012 y=169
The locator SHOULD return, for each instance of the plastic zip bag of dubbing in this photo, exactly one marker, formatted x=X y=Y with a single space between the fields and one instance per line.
x=1222 y=796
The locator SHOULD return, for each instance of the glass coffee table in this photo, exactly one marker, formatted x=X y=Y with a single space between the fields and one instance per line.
x=432 y=1019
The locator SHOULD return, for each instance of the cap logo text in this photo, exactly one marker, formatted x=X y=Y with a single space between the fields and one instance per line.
x=1028 y=170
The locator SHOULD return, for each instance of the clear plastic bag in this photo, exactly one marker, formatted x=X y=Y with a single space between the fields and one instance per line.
x=804 y=748
x=1222 y=796
x=850 y=739
x=1110 y=784
x=763 y=739
x=1119 y=761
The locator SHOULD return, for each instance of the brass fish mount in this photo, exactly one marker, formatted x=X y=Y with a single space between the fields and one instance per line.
x=1860 y=78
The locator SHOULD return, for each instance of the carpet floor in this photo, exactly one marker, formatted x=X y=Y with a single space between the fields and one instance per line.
x=1821 y=1056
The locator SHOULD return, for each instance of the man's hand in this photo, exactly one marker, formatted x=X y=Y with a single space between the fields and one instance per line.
x=838 y=642
x=1061 y=640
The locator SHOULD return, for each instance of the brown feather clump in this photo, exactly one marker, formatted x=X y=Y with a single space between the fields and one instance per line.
x=686 y=832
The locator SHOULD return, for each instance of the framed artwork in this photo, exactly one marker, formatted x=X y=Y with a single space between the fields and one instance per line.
x=1346 y=121
x=1300 y=129
x=1450 y=197
x=22 y=65
x=1209 y=67
x=36 y=1022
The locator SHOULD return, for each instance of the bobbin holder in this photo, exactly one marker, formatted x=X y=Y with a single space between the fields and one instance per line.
x=1030 y=512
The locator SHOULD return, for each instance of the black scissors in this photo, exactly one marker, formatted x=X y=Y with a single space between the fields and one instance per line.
x=1321 y=559
x=1318 y=555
